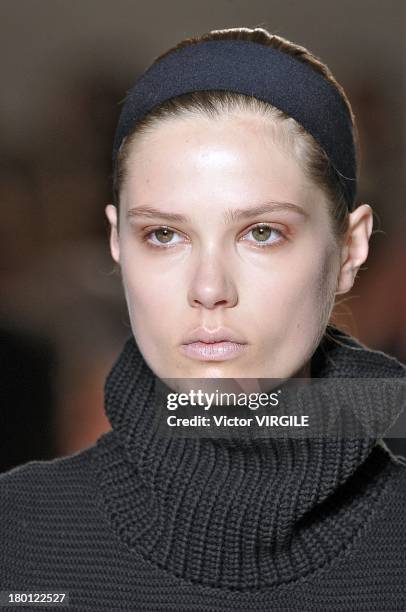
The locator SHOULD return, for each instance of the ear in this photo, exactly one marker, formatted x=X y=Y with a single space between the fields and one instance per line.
x=354 y=251
x=111 y=214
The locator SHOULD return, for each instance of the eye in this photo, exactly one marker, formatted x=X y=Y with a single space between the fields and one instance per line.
x=264 y=235
x=163 y=236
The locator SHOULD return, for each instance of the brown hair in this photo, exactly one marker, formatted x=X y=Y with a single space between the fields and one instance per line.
x=315 y=162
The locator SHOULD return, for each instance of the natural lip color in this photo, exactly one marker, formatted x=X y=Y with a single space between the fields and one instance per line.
x=213 y=351
x=221 y=334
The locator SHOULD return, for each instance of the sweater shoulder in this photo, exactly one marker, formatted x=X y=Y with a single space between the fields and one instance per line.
x=28 y=476
x=47 y=508
x=43 y=487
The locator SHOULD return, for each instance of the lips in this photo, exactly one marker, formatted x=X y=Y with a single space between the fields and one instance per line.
x=221 y=334
x=213 y=345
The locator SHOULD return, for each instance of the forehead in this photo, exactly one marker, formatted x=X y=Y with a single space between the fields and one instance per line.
x=225 y=160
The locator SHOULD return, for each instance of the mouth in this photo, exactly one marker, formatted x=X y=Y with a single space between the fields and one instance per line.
x=213 y=351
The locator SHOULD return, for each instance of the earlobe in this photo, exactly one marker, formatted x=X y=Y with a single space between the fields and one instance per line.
x=355 y=248
x=111 y=214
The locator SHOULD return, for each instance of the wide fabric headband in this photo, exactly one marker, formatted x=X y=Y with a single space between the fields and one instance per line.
x=255 y=70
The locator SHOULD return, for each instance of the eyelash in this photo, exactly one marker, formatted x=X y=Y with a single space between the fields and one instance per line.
x=258 y=244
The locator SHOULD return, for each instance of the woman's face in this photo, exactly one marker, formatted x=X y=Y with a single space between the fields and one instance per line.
x=220 y=228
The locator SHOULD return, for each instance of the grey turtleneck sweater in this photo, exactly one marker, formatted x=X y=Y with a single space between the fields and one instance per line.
x=145 y=522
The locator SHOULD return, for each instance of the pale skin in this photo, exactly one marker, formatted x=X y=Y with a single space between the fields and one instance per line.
x=274 y=286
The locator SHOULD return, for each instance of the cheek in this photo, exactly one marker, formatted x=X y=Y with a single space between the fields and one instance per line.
x=149 y=313
x=300 y=283
x=146 y=300
x=152 y=299
x=294 y=313
x=295 y=298
x=311 y=306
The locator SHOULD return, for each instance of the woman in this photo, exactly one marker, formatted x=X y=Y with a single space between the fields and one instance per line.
x=235 y=226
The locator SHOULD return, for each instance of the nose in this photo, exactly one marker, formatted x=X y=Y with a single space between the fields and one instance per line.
x=212 y=285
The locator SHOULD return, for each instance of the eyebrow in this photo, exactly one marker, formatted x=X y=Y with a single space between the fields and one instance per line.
x=232 y=214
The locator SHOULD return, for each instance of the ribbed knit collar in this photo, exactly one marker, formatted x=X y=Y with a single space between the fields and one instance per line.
x=241 y=517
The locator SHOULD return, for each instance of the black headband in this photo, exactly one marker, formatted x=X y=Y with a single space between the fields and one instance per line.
x=255 y=70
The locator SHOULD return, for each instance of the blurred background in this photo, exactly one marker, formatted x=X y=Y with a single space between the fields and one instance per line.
x=65 y=67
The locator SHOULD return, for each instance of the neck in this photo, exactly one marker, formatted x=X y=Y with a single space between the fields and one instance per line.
x=304 y=372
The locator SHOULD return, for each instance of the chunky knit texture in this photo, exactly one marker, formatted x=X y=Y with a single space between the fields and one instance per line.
x=143 y=522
